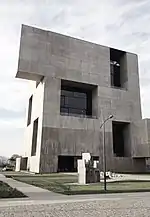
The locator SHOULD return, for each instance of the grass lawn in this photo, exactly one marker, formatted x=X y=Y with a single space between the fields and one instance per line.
x=59 y=183
x=114 y=187
x=8 y=192
x=8 y=174
x=13 y=173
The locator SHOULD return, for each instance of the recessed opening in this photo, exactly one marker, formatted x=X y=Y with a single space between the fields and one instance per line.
x=70 y=163
x=29 y=111
x=121 y=139
x=67 y=163
x=118 y=68
x=34 y=137
x=77 y=99
x=23 y=165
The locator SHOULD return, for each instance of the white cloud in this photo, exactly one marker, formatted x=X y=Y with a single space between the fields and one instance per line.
x=118 y=23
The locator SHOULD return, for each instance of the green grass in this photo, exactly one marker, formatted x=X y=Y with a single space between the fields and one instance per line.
x=13 y=173
x=60 y=183
x=8 y=192
x=116 y=187
x=8 y=174
x=54 y=182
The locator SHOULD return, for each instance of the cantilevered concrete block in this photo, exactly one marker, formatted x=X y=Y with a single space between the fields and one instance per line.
x=75 y=82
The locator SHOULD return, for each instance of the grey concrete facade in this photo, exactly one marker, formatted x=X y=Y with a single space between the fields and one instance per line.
x=53 y=57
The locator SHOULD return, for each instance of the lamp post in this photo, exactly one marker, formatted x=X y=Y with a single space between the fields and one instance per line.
x=104 y=149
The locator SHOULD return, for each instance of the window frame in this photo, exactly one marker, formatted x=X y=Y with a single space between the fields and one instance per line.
x=75 y=94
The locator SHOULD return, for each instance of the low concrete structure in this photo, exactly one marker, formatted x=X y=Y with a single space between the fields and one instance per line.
x=87 y=175
x=21 y=164
x=18 y=164
x=81 y=172
x=75 y=85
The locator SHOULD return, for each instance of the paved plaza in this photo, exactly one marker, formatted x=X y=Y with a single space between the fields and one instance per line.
x=41 y=202
x=103 y=205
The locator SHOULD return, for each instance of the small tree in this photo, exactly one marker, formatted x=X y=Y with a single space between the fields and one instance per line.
x=12 y=160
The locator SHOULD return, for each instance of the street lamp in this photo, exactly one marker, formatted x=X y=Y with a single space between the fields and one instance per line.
x=104 y=151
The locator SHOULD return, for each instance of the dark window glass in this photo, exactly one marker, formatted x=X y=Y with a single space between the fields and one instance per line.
x=75 y=101
x=115 y=74
x=77 y=111
x=62 y=101
x=29 y=110
x=82 y=103
x=63 y=110
x=117 y=68
x=82 y=95
x=66 y=93
x=34 y=137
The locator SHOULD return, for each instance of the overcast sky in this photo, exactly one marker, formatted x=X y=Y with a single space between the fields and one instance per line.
x=123 y=24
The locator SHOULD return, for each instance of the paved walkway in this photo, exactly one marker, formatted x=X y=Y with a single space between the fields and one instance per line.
x=44 y=203
x=123 y=177
x=2 y=177
x=134 y=205
x=33 y=192
x=36 y=193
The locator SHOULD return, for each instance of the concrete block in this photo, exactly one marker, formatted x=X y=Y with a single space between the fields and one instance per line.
x=81 y=172
x=56 y=57
x=86 y=157
x=18 y=162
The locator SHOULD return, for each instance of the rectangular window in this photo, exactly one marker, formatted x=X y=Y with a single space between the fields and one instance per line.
x=76 y=99
x=121 y=139
x=34 y=137
x=29 y=111
x=118 y=68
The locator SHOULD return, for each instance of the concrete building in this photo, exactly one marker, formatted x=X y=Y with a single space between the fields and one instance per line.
x=76 y=85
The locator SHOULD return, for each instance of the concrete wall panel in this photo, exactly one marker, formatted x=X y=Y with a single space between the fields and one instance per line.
x=56 y=57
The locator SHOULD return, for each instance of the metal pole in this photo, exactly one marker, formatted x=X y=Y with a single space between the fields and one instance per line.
x=104 y=158
x=104 y=149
